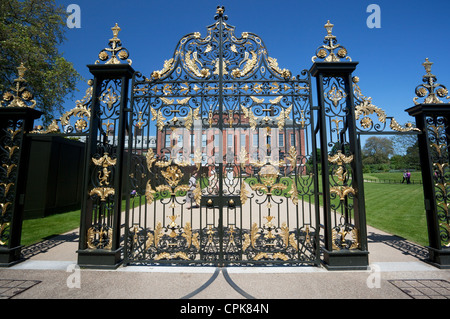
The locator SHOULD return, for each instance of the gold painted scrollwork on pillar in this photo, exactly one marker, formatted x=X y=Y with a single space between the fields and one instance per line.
x=341 y=240
x=103 y=190
x=340 y=173
x=99 y=237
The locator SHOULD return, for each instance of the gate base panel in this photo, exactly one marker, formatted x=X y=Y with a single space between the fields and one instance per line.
x=99 y=258
x=439 y=258
x=346 y=260
x=10 y=256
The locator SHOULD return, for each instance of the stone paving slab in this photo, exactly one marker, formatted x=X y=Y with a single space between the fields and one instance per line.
x=392 y=260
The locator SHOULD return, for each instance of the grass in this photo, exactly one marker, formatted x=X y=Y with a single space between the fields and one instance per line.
x=38 y=229
x=397 y=209
x=394 y=208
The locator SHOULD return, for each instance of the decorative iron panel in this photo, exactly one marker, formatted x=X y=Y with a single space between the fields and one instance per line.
x=221 y=108
x=437 y=127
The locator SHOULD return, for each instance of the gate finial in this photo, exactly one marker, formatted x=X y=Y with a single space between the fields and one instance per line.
x=430 y=90
x=115 y=50
x=219 y=11
x=326 y=51
x=21 y=97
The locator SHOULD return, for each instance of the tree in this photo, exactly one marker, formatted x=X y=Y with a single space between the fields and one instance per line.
x=403 y=142
x=412 y=157
x=377 y=150
x=30 y=32
x=408 y=147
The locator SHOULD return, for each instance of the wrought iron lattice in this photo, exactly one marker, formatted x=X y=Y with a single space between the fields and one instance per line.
x=10 y=148
x=437 y=127
x=223 y=110
x=343 y=230
x=103 y=165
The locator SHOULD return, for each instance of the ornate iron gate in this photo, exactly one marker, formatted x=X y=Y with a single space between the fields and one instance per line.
x=221 y=110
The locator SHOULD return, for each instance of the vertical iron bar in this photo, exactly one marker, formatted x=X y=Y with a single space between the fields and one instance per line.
x=220 y=105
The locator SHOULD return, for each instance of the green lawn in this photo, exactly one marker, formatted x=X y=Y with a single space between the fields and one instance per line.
x=38 y=229
x=397 y=209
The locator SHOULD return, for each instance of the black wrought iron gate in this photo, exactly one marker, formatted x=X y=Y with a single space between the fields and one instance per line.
x=221 y=157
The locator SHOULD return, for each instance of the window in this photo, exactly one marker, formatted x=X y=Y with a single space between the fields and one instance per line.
x=230 y=140
x=292 y=139
x=243 y=144
x=203 y=140
x=281 y=140
x=168 y=140
x=216 y=140
x=255 y=140
x=180 y=140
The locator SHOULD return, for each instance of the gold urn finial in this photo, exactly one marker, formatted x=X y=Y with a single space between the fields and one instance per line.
x=21 y=71
x=115 y=29
x=329 y=27
x=427 y=65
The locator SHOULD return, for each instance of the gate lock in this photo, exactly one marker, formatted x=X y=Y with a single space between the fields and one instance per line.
x=224 y=201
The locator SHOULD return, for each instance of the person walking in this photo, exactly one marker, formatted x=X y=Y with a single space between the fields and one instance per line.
x=404 y=176
x=190 y=193
x=408 y=177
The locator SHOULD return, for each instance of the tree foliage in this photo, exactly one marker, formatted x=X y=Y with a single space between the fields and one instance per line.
x=30 y=32
x=397 y=153
x=377 y=150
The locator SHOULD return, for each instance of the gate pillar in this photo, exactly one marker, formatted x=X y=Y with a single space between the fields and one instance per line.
x=433 y=119
x=342 y=179
x=16 y=120
x=99 y=245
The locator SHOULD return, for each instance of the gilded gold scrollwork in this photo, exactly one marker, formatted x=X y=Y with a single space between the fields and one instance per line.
x=284 y=114
x=173 y=175
x=250 y=63
x=335 y=95
x=273 y=64
x=251 y=117
x=168 y=66
x=157 y=115
x=190 y=61
x=364 y=107
x=102 y=192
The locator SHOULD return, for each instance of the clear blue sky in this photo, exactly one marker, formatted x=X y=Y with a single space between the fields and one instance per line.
x=390 y=58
